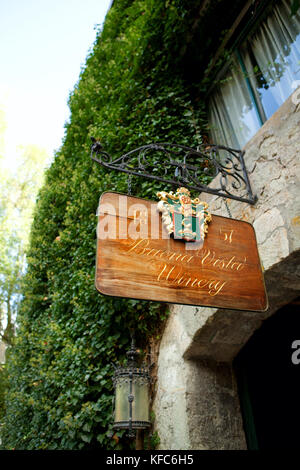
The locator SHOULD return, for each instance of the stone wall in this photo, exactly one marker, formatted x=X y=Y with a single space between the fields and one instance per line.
x=196 y=403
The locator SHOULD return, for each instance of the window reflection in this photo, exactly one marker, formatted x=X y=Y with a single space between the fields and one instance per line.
x=263 y=75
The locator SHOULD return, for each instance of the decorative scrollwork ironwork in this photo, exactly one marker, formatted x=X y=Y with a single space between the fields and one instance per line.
x=180 y=165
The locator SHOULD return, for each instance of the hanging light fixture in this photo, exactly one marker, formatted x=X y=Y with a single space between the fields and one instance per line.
x=131 y=385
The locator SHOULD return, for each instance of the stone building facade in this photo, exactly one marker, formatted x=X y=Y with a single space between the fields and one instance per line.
x=196 y=402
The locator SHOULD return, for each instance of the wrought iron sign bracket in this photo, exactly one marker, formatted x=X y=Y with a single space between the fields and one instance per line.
x=180 y=165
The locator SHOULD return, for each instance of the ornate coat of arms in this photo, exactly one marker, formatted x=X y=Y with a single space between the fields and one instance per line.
x=183 y=217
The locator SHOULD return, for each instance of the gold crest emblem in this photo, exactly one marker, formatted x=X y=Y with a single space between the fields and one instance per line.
x=184 y=218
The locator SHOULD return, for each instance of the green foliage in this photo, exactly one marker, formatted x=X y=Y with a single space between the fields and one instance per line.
x=295 y=7
x=151 y=439
x=130 y=93
x=18 y=191
x=3 y=387
x=154 y=440
x=2 y=391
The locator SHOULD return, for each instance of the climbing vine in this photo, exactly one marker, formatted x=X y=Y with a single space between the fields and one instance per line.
x=136 y=87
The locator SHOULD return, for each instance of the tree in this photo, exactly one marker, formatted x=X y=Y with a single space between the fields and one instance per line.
x=18 y=191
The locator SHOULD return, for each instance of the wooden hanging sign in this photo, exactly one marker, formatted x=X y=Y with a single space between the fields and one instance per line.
x=145 y=254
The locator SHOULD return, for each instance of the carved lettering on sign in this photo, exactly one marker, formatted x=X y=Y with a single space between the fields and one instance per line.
x=137 y=258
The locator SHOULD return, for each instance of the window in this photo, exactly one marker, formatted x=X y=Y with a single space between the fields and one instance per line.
x=264 y=71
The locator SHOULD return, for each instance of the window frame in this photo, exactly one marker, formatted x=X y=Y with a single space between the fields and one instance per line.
x=247 y=22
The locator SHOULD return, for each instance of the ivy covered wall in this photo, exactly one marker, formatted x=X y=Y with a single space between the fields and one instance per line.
x=139 y=85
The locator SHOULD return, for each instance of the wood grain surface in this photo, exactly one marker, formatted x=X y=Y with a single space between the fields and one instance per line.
x=137 y=259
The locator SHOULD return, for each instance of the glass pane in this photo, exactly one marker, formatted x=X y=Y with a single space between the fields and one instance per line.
x=233 y=116
x=140 y=405
x=121 y=401
x=269 y=73
x=272 y=58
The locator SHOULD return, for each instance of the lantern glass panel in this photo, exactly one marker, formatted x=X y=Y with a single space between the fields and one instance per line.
x=121 y=403
x=140 y=404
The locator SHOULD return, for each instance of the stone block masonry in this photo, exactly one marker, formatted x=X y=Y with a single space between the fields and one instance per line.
x=196 y=403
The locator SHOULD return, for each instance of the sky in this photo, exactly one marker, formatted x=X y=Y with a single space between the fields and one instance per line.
x=43 y=45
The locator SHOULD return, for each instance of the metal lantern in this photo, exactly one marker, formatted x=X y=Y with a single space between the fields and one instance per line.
x=131 y=395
